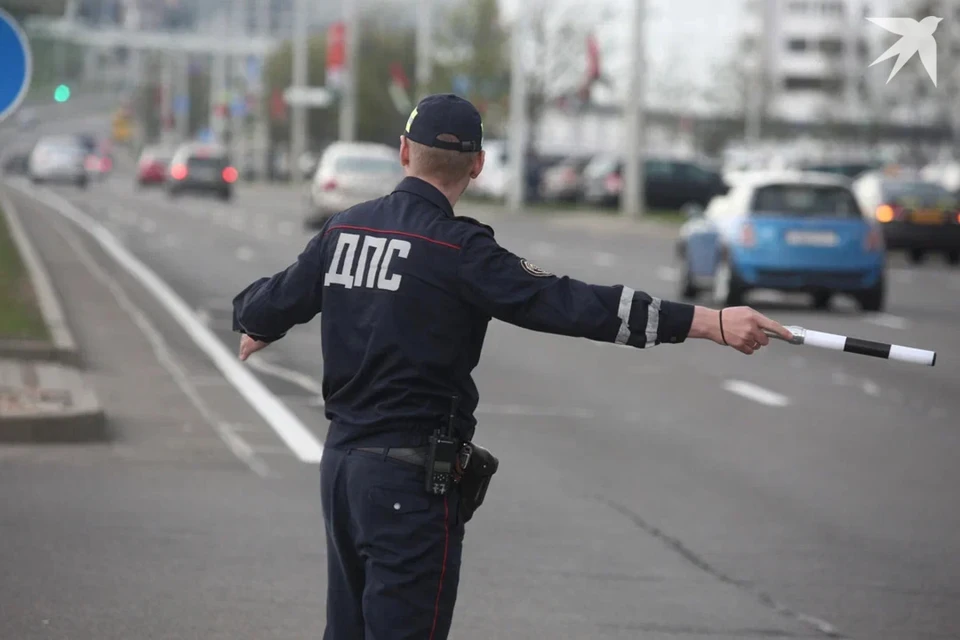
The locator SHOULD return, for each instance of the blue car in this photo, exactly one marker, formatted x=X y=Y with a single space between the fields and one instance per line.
x=785 y=231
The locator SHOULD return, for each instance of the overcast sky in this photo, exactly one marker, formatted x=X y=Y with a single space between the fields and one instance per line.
x=685 y=38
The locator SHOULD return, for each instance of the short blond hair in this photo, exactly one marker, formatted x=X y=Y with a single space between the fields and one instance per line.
x=444 y=165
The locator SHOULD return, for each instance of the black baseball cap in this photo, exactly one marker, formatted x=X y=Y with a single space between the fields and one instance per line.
x=446 y=113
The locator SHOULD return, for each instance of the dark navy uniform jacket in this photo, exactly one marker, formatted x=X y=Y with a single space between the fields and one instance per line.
x=406 y=290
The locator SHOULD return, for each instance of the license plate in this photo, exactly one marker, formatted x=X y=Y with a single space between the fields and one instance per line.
x=812 y=238
x=204 y=174
x=928 y=217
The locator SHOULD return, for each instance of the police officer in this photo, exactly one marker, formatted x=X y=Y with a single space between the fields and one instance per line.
x=406 y=289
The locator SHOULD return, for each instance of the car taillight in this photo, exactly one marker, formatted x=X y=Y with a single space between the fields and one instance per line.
x=230 y=175
x=874 y=240
x=747 y=237
x=330 y=185
x=178 y=171
x=106 y=164
x=614 y=183
x=91 y=163
x=888 y=213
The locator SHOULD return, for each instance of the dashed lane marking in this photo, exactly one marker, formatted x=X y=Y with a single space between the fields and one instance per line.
x=244 y=254
x=542 y=249
x=668 y=274
x=756 y=393
x=604 y=259
x=887 y=320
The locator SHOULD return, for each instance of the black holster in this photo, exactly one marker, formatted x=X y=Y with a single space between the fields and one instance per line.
x=475 y=478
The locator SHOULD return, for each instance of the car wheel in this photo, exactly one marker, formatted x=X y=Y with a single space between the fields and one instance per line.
x=821 y=300
x=687 y=290
x=873 y=299
x=226 y=196
x=917 y=256
x=953 y=257
x=82 y=183
x=728 y=290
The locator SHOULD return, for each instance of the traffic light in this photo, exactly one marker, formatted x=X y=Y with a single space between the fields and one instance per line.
x=61 y=93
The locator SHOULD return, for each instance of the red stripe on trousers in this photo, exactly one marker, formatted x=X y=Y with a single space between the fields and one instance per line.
x=443 y=569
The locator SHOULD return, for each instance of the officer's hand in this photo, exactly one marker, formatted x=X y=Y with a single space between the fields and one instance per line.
x=249 y=346
x=742 y=329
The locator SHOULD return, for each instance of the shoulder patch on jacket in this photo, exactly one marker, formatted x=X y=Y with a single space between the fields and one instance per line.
x=533 y=269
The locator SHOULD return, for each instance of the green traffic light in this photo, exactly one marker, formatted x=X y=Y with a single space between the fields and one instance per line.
x=62 y=93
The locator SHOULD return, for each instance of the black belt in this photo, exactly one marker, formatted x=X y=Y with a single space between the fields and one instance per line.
x=413 y=456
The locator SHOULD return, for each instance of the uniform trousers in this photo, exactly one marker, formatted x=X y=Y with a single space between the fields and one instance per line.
x=393 y=550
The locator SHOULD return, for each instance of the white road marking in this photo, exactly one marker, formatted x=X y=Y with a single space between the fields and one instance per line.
x=297 y=378
x=147 y=225
x=871 y=388
x=287 y=425
x=887 y=320
x=542 y=249
x=285 y=228
x=604 y=259
x=756 y=393
x=245 y=254
x=840 y=378
x=314 y=387
x=237 y=223
x=670 y=274
x=164 y=356
x=520 y=410
x=203 y=316
x=172 y=242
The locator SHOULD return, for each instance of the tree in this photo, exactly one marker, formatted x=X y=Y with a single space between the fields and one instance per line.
x=380 y=46
x=473 y=52
x=558 y=53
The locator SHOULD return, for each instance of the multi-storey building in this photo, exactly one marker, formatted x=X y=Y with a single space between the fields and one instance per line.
x=814 y=57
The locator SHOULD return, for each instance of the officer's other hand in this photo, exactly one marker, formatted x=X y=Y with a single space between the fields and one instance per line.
x=742 y=328
x=249 y=346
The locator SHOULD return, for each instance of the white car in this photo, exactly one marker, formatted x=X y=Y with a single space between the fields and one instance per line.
x=58 y=159
x=350 y=173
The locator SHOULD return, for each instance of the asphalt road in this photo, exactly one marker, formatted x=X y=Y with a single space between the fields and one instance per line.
x=686 y=491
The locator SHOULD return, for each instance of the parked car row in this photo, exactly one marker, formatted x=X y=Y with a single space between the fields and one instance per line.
x=598 y=180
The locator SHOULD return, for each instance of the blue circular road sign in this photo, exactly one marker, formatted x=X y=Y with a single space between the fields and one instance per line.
x=17 y=65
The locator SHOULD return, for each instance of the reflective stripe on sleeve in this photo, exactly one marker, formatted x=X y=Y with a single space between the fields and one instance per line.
x=626 y=305
x=653 y=321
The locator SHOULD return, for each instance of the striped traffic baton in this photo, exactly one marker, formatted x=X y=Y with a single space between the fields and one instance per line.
x=857 y=345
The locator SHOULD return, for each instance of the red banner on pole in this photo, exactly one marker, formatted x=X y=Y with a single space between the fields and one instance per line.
x=336 y=52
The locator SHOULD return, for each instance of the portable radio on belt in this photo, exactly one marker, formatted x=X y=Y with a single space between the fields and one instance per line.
x=443 y=454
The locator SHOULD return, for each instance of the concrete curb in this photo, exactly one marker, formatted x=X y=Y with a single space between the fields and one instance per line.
x=64 y=427
x=62 y=347
x=43 y=402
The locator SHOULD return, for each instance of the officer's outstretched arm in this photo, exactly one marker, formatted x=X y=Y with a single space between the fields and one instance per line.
x=269 y=307
x=512 y=289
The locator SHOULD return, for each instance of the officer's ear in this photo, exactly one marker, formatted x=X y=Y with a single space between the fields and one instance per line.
x=404 y=152
x=477 y=165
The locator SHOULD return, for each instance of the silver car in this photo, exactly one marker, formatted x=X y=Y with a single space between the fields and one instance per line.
x=58 y=159
x=350 y=173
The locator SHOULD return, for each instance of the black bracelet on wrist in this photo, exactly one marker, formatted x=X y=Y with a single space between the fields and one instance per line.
x=722 y=337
